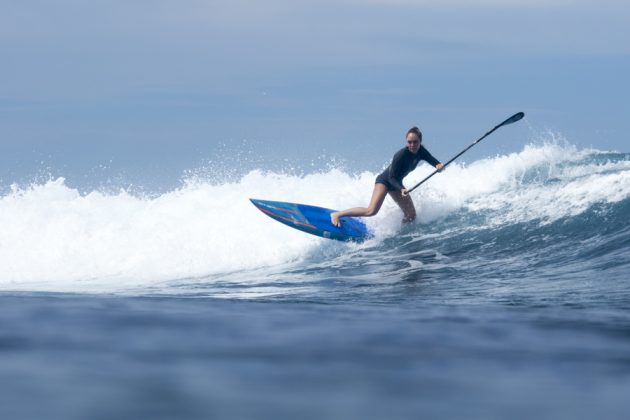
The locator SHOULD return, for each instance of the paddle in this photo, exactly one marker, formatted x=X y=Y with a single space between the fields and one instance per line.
x=510 y=120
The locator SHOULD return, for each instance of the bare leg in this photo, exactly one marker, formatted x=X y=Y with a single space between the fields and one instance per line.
x=406 y=205
x=378 y=196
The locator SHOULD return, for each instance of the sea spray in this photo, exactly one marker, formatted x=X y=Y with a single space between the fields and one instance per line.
x=58 y=239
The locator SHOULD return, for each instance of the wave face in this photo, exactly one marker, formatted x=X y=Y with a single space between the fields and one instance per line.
x=524 y=224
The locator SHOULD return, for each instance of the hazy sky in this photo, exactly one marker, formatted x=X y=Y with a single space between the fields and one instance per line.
x=152 y=86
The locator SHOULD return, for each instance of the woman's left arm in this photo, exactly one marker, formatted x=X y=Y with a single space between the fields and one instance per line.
x=429 y=158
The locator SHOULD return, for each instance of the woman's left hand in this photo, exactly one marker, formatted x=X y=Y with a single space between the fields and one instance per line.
x=439 y=167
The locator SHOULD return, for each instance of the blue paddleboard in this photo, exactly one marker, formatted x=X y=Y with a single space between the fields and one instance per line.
x=314 y=220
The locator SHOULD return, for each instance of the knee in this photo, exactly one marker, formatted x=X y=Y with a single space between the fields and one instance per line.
x=371 y=211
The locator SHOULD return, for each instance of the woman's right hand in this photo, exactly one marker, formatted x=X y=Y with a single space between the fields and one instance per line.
x=404 y=192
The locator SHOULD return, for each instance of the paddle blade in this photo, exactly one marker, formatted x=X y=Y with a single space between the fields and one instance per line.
x=512 y=119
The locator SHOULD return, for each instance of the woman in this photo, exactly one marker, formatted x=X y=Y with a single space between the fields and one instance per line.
x=390 y=181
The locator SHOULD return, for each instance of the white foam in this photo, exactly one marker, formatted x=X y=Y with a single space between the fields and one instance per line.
x=55 y=238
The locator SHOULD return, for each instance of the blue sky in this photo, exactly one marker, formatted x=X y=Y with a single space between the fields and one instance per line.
x=148 y=89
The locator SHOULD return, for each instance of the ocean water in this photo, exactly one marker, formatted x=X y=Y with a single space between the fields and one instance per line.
x=509 y=297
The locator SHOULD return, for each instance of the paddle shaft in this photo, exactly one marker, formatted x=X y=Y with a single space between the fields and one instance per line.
x=510 y=120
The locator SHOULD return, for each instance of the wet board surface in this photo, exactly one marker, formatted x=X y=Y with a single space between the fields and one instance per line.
x=314 y=220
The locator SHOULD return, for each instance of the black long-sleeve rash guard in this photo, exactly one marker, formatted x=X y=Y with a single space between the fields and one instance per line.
x=404 y=162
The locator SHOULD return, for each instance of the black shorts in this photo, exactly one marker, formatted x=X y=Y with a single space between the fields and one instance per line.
x=384 y=179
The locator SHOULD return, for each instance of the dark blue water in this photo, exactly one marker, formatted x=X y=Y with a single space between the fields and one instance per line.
x=512 y=303
x=66 y=357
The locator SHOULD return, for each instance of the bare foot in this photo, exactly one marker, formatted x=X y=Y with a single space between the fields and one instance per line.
x=334 y=219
